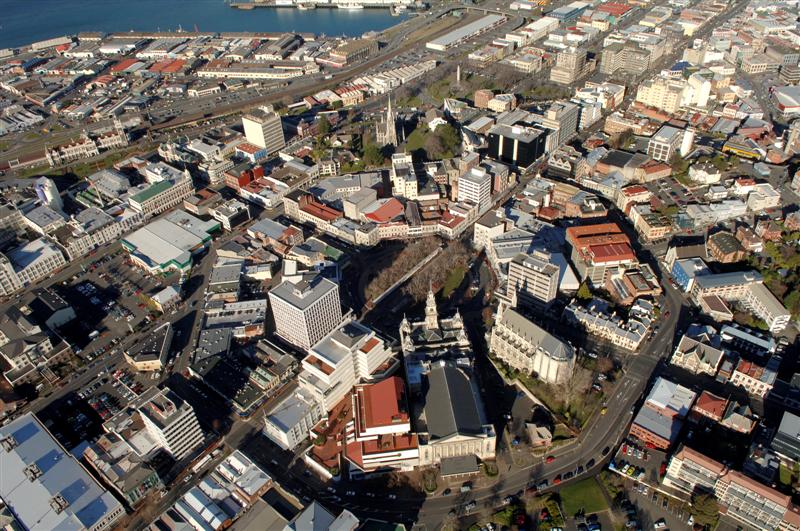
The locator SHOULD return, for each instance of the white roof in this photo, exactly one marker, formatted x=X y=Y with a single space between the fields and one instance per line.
x=87 y=502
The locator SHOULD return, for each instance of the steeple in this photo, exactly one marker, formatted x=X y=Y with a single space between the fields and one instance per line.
x=431 y=314
x=391 y=124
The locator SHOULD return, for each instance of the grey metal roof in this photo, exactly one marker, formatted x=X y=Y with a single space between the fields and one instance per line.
x=537 y=336
x=450 y=403
x=88 y=503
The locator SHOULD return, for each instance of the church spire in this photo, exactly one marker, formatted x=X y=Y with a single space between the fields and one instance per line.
x=431 y=313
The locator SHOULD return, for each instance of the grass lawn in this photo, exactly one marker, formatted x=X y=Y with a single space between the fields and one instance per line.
x=785 y=475
x=584 y=495
x=453 y=281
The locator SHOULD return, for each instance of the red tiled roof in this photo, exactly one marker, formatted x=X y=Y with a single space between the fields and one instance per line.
x=249 y=148
x=614 y=8
x=381 y=404
x=387 y=211
x=124 y=65
x=611 y=252
x=711 y=403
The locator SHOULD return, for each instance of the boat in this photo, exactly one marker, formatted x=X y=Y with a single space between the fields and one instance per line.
x=351 y=6
x=305 y=7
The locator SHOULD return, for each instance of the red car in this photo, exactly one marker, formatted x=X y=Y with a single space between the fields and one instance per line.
x=557 y=479
x=550 y=459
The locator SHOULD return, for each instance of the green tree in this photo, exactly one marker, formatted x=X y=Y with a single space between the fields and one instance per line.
x=584 y=293
x=337 y=104
x=450 y=138
x=624 y=138
x=705 y=510
x=324 y=126
x=373 y=155
x=678 y=163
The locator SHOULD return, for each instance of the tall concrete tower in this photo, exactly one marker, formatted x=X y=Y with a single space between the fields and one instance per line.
x=688 y=142
x=48 y=194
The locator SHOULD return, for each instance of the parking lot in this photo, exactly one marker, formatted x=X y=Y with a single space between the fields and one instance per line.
x=653 y=507
x=109 y=296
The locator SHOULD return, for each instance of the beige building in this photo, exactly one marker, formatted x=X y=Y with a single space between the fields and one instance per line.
x=527 y=347
x=263 y=128
x=661 y=93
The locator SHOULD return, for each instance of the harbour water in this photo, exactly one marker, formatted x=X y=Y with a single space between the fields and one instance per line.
x=26 y=21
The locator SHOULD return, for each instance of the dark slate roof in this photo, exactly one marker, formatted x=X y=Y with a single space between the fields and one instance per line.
x=450 y=404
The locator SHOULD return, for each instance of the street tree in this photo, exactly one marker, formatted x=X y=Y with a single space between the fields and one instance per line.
x=705 y=510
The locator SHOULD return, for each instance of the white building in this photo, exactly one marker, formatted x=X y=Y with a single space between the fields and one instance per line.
x=403 y=177
x=29 y=263
x=171 y=421
x=263 y=128
x=44 y=487
x=290 y=421
x=305 y=311
x=349 y=354
x=475 y=186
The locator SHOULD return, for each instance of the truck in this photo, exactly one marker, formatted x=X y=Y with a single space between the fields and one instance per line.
x=466 y=487
x=94 y=334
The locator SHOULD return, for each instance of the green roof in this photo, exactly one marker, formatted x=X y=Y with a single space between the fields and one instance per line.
x=333 y=253
x=152 y=191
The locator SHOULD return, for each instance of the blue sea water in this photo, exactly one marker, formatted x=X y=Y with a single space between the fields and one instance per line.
x=26 y=21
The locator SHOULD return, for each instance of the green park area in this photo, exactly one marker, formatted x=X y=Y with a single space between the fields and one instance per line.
x=583 y=496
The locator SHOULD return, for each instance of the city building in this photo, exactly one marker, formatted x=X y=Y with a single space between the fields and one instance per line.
x=305 y=311
x=169 y=243
x=28 y=264
x=725 y=248
x=171 y=422
x=525 y=346
x=151 y=353
x=316 y=518
x=162 y=195
x=699 y=353
x=381 y=437
x=45 y=487
x=599 y=250
x=263 y=128
x=659 y=420
x=290 y=421
x=533 y=279
x=786 y=442
x=129 y=475
x=453 y=422
x=347 y=355
x=665 y=143
x=475 y=186
x=517 y=145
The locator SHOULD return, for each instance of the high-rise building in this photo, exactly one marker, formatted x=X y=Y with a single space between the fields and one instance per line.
x=532 y=279
x=263 y=128
x=171 y=421
x=571 y=65
x=562 y=117
x=475 y=186
x=662 y=93
x=349 y=354
x=517 y=145
x=305 y=311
